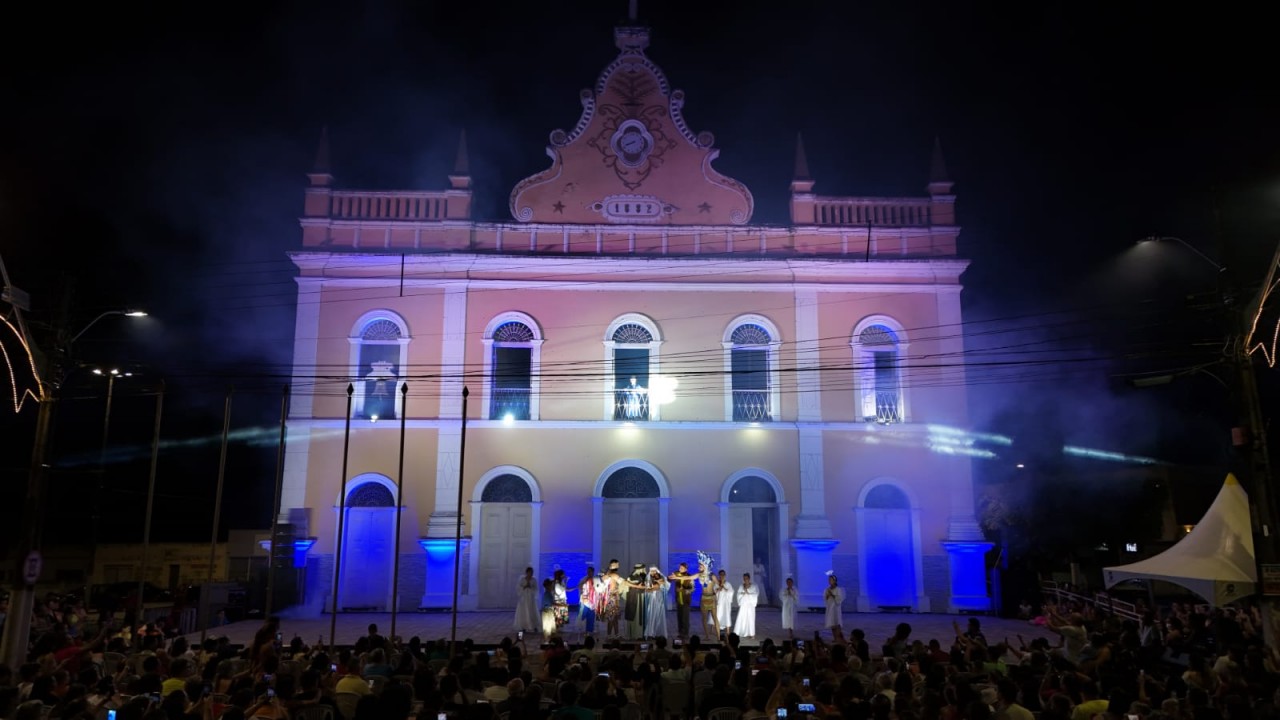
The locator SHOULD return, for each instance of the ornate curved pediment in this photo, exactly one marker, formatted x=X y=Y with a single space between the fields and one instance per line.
x=631 y=158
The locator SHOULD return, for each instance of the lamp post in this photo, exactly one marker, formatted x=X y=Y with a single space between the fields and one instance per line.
x=17 y=628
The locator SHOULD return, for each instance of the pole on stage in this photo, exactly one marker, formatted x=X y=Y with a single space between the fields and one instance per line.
x=395 y=568
x=457 y=537
x=342 y=514
x=275 y=507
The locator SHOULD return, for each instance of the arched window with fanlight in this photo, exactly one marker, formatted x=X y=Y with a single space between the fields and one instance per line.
x=879 y=346
x=380 y=342
x=512 y=347
x=751 y=368
x=631 y=344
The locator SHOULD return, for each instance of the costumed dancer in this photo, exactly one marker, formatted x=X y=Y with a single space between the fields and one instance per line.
x=611 y=600
x=710 y=625
x=561 y=598
x=548 y=610
x=684 y=597
x=833 y=597
x=724 y=603
x=527 y=614
x=634 y=604
x=790 y=599
x=589 y=599
x=748 y=595
x=655 y=616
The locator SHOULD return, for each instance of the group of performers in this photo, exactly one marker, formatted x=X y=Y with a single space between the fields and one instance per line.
x=640 y=600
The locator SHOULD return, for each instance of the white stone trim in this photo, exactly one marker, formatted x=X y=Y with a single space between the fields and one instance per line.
x=358 y=480
x=772 y=351
x=783 y=511
x=864 y=364
x=356 y=342
x=655 y=360
x=477 y=519
x=535 y=361
x=597 y=507
x=917 y=551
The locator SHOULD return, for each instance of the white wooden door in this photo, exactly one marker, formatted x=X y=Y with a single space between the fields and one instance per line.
x=367 y=558
x=629 y=533
x=506 y=546
x=889 y=557
x=737 y=557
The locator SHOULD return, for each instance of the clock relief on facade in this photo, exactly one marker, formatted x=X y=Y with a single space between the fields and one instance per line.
x=631 y=143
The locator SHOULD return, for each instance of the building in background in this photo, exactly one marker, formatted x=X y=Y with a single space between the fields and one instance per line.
x=650 y=375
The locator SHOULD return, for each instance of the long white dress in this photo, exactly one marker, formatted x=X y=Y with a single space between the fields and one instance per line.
x=724 y=605
x=790 y=598
x=528 y=614
x=745 y=625
x=834 y=598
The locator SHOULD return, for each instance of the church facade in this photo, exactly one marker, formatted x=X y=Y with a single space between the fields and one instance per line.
x=629 y=369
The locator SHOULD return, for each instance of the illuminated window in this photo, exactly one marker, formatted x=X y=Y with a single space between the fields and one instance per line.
x=878 y=355
x=632 y=346
x=380 y=344
x=512 y=355
x=751 y=347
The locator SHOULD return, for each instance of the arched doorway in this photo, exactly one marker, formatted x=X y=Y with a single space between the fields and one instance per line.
x=631 y=515
x=505 y=518
x=368 y=546
x=752 y=518
x=889 y=562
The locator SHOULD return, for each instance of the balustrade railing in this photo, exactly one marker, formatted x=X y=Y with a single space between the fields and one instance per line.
x=357 y=205
x=904 y=212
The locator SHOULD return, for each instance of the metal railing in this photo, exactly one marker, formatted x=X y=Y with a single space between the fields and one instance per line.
x=888 y=406
x=631 y=404
x=512 y=402
x=751 y=406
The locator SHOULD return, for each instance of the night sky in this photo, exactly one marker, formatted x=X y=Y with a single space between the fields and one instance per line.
x=158 y=160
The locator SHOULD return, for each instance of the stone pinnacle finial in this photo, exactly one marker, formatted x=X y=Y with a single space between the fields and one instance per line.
x=321 y=174
x=462 y=163
x=802 y=160
x=938 y=165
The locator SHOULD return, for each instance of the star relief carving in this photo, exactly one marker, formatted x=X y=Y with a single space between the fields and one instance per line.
x=558 y=207
x=704 y=207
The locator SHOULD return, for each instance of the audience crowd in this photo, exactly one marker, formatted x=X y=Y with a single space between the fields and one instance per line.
x=1186 y=664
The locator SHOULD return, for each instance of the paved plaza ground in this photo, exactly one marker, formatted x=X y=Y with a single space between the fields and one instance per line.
x=489 y=627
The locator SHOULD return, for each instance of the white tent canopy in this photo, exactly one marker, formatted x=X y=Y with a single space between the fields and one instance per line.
x=1215 y=560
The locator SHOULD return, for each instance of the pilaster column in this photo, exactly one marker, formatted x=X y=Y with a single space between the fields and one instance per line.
x=811 y=522
x=438 y=540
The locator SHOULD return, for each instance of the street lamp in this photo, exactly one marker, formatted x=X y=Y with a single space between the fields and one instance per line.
x=1168 y=238
x=126 y=313
x=112 y=375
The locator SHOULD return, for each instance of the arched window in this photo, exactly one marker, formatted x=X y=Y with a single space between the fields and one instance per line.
x=513 y=345
x=886 y=497
x=752 y=489
x=630 y=483
x=370 y=494
x=507 y=489
x=878 y=346
x=751 y=347
x=632 y=343
x=380 y=343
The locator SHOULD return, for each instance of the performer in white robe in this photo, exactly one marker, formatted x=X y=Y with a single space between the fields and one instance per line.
x=655 y=613
x=748 y=595
x=724 y=602
x=790 y=599
x=528 y=610
x=833 y=597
